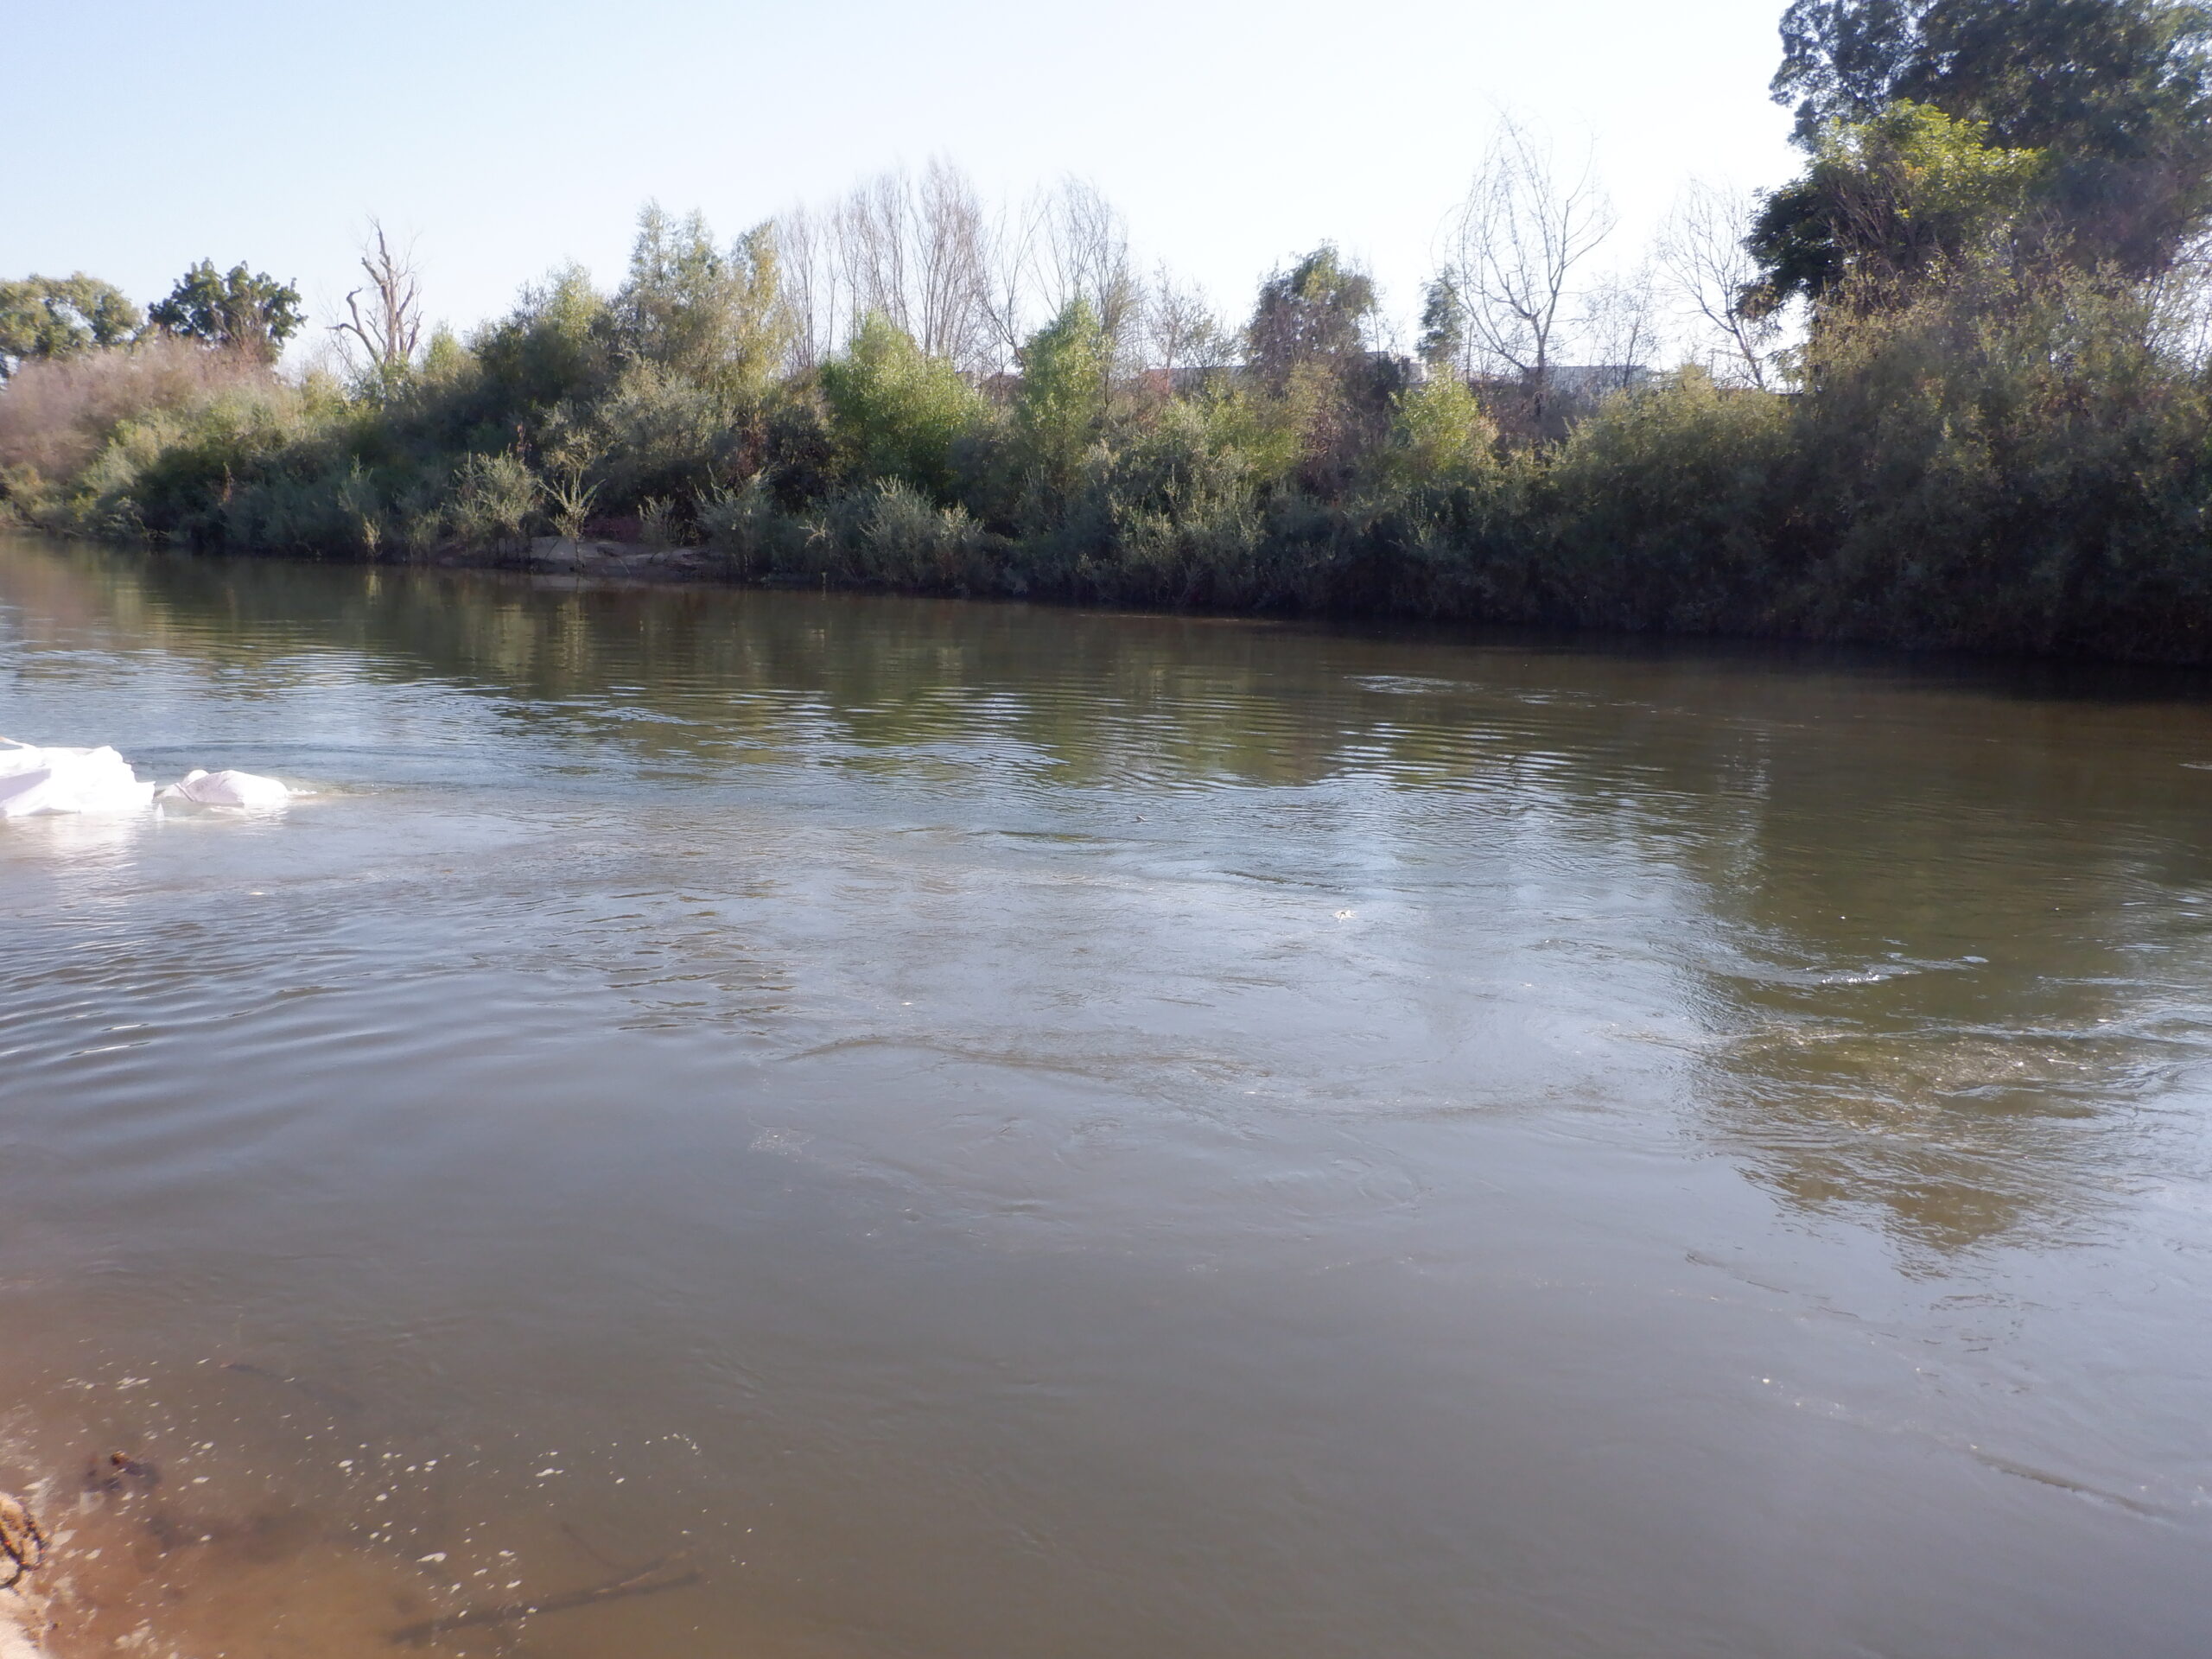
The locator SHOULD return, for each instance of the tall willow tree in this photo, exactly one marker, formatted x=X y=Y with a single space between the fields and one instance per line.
x=1061 y=405
x=713 y=318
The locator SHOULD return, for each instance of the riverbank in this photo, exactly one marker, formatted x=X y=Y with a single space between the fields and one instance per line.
x=2025 y=489
x=2182 y=641
x=609 y=560
x=586 y=557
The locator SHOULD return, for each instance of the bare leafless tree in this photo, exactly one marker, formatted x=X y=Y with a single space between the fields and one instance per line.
x=1065 y=242
x=1180 y=329
x=385 y=329
x=1082 y=251
x=812 y=286
x=951 y=268
x=1619 y=325
x=1701 y=252
x=968 y=286
x=871 y=241
x=1009 y=284
x=1516 y=242
x=918 y=253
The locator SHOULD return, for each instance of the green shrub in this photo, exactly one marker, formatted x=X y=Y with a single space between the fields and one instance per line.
x=897 y=414
x=555 y=345
x=749 y=528
x=493 y=498
x=1669 y=509
x=1439 y=437
x=659 y=435
x=661 y=524
x=1058 y=410
x=890 y=534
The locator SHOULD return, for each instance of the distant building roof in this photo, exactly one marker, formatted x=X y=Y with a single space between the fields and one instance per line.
x=1594 y=379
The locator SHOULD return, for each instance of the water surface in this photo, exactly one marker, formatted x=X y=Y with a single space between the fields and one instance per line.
x=940 y=1129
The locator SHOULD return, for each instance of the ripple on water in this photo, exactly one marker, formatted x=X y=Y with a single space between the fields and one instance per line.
x=927 y=1117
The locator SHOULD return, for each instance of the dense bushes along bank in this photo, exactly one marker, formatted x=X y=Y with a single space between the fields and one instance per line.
x=2038 y=485
x=1997 y=432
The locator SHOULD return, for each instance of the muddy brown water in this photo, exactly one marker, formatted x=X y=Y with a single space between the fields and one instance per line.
x=965 y=1130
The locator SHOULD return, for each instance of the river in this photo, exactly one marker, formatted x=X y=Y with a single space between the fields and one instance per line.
x=899 y=1127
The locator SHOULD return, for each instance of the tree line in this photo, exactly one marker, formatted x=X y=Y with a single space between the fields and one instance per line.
x=1951 y=386
x=43 y=318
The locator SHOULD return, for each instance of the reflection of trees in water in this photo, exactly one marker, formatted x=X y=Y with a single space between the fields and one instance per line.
x=672 y=672
x=1853 y=834
x=1864 y=1058
x=1069 y=697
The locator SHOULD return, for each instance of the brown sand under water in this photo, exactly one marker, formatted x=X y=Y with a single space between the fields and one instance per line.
x=169 y=1548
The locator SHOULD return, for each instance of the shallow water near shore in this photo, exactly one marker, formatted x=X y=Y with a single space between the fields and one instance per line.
x=880 y=1127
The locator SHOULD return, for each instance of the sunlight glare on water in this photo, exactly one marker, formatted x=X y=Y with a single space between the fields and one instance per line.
x=780 y=1124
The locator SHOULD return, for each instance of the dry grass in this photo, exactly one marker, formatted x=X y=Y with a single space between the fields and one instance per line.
x=55 y=414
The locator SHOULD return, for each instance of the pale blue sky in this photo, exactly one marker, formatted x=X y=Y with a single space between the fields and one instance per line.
x=510 y=137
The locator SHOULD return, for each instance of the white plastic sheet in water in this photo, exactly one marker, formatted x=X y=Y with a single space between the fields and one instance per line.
x=35 y=780
x=226 y=789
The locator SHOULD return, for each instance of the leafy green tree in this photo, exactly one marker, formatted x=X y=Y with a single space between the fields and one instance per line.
x=666 y=434
x=898 y=413
x=1885 y=202
x=2118 y=92
x=1444 y=325
x=61 y=316
x=713 y=318
x=1440 y=437
x=1061 y=405
x=1314 y=311
x=249 y=310
x=1308 y=346
x=555 y=346
x=1844 y=59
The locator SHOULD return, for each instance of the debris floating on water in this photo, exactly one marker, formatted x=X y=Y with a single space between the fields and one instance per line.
x=226 y=789
x=35 y=781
